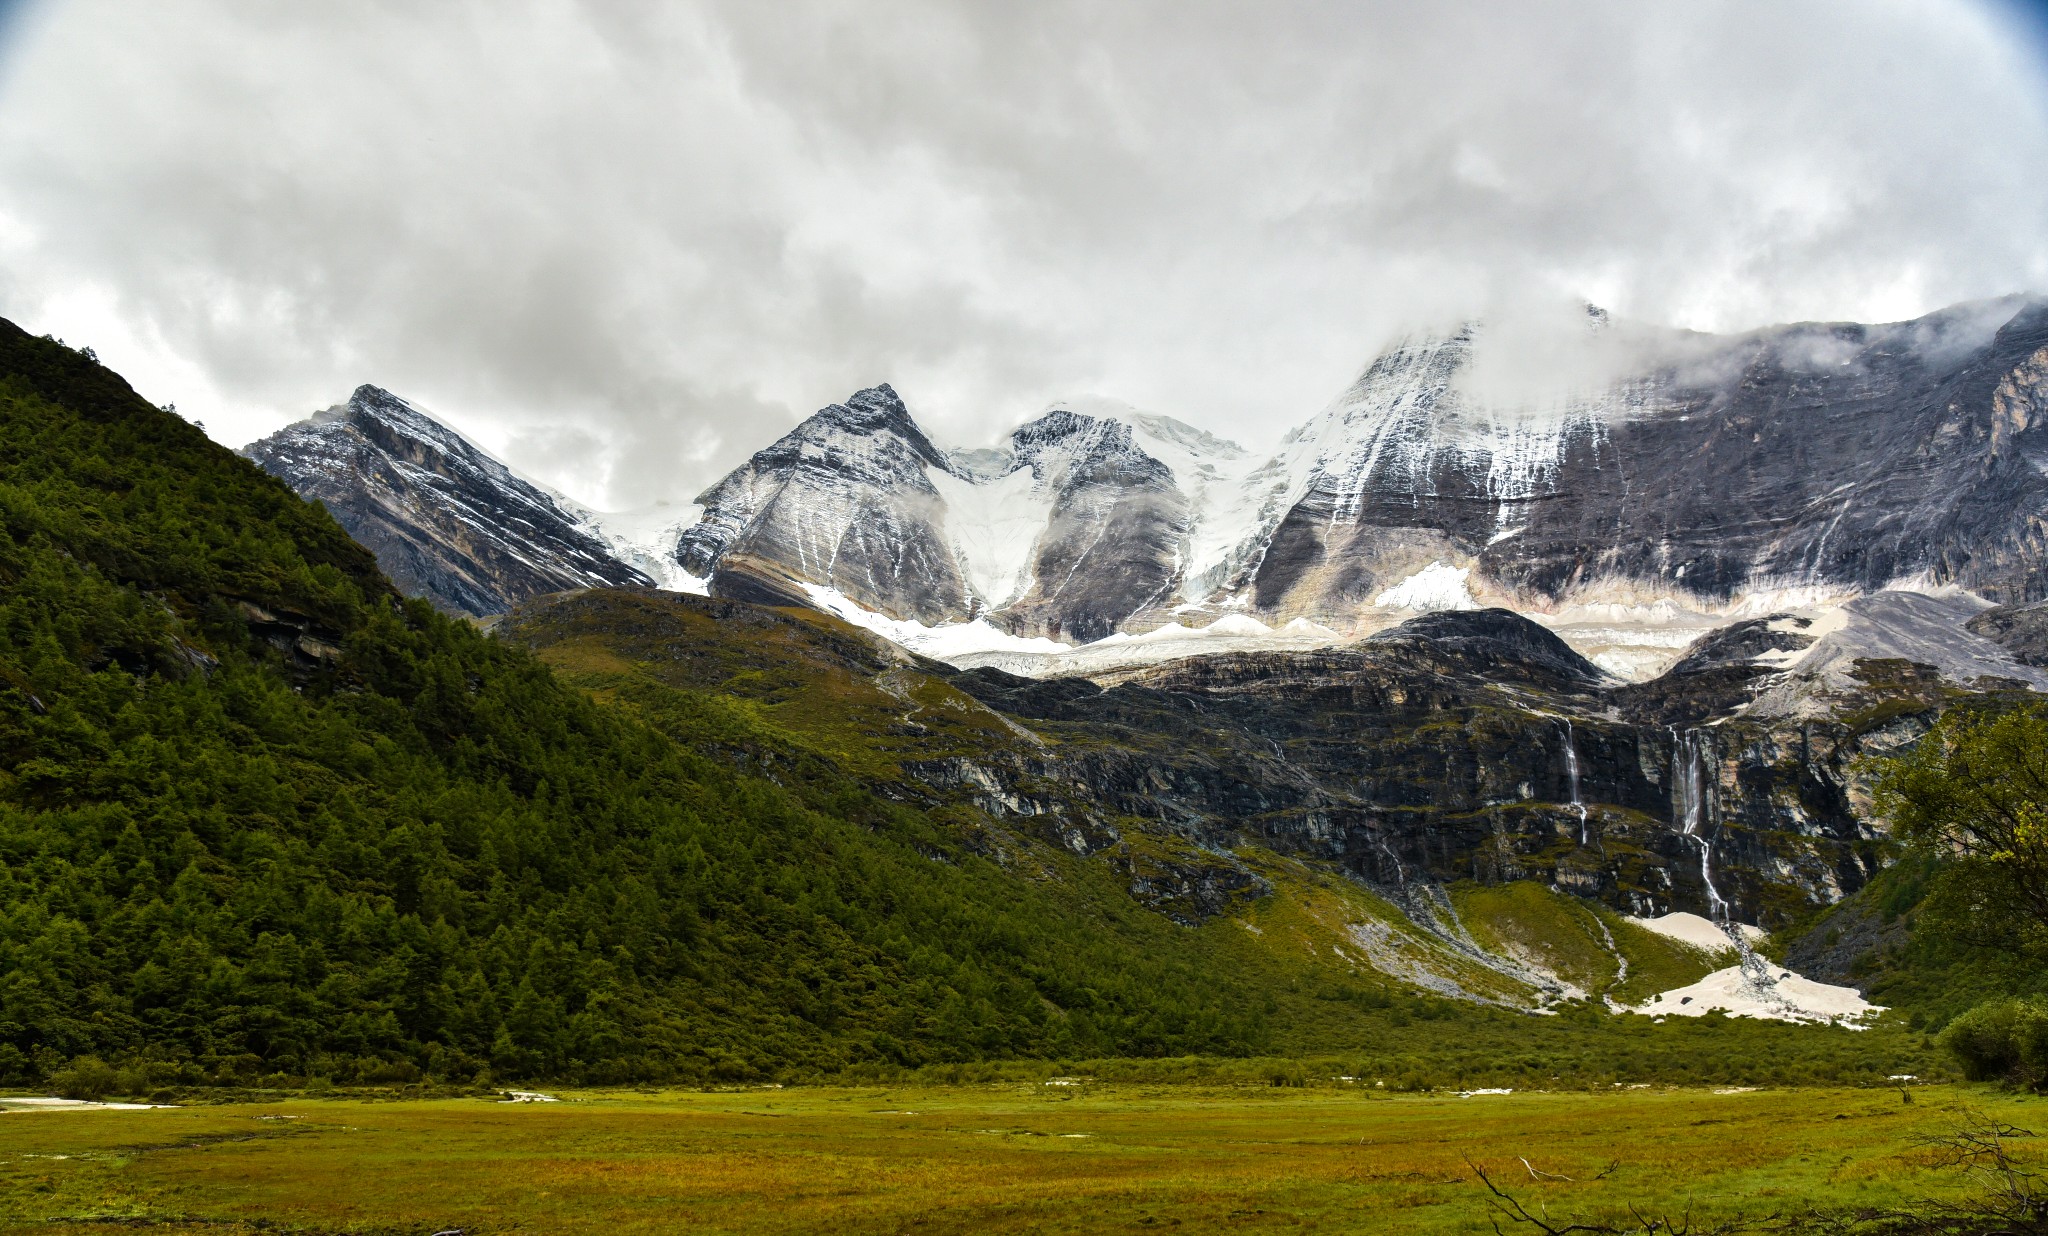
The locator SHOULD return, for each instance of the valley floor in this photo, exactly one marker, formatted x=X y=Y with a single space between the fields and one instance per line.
x=1046 y=1157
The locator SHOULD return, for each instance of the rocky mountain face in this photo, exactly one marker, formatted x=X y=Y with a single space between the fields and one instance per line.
x=1061 y=529
x=1832 y=458
x=1705 y=474
x=1472 y=746
x=1459 y=746
x=844 y=501
x=446 y=521
x=1705 y=477
x=1114 y=522
x=2022 y=630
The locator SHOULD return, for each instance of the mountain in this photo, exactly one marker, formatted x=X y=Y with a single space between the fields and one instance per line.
x=445 y=520
x=1750 y=563
x=1112 y=527
x=637 y=834
x=1675 y=483
x=266 y=823
x=1063 y=529
x=1795 y=462
x=845 y=501
x=1681 y=482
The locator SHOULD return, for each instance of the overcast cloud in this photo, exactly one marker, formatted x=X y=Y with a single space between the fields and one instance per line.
x=625 y=245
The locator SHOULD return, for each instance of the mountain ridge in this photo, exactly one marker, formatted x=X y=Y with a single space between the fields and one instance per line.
x=1701 y=480
x=446 y=520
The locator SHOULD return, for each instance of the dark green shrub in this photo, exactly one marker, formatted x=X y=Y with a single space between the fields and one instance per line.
x=2001 y=1040
x=87 y=1077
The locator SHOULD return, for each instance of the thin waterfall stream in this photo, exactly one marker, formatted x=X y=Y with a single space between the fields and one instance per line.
x=1571 y=772
x=1694 y=788
x=1695 y=806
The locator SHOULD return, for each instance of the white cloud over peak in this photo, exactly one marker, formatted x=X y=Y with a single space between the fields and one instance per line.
x=624 y=245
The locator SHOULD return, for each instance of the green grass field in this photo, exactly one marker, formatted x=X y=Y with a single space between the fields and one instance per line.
x=1080 y=1157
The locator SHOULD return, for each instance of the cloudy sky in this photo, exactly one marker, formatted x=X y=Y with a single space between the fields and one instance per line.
x=625 y=245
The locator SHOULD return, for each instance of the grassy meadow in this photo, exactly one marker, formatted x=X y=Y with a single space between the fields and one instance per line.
x=1066 y=1155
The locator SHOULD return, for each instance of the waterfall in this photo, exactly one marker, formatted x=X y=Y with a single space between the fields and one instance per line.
x=1694 y=790
x=1571 y=772
x=1693 y=787
x=1620 y=965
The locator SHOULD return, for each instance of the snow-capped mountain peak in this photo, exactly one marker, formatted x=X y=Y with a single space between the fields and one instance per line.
x=446 y=520
x=1657 y=480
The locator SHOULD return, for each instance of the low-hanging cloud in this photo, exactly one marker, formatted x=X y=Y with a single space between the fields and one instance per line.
x=625 y=244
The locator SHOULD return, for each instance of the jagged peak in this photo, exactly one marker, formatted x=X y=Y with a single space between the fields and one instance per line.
x=870 y=408
x=1063 y=448
x=1059 y=440
x=1061 y=424
x=872 y=423
x=868 y=412
x=1149 y=425
x=376 y=401
x=395 y=426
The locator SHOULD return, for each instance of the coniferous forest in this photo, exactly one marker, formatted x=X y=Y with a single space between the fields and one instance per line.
x=259 y=814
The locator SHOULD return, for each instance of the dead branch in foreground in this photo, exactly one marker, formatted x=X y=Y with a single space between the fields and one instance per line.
x=2011 y=1199
x=1507 y=1206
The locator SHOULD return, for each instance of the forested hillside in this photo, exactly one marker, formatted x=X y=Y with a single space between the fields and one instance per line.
x=259 y=815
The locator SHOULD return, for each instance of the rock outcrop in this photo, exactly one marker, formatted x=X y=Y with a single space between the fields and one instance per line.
x=1474 y=746
x=2021 y=630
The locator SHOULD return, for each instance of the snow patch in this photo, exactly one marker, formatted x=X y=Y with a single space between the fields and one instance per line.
x=1693 y=929
x=645 y=538
x=1237 y=624
x=995 y=526
x=1789 y=997
x=1438 y=586
x=940 y=642
x=969 y=645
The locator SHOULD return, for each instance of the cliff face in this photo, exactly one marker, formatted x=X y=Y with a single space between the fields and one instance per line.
x=446 y=521
x=1471 y=746
x=1477 y=746
x=1112 y=537
x=2022 y=630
